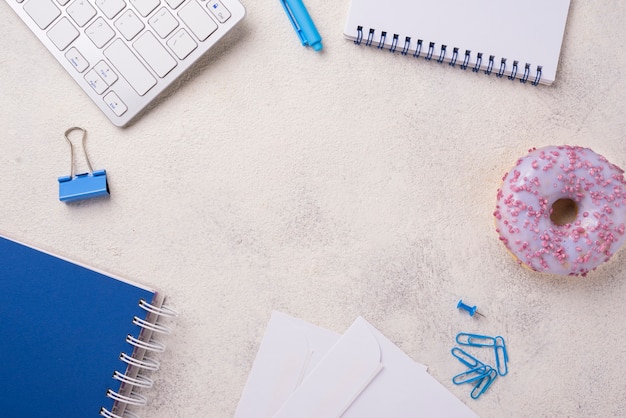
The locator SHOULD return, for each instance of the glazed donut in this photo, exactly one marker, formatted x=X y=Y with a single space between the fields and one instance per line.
x=562 y=209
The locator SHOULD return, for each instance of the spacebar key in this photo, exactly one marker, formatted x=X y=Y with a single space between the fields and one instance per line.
x=130 y=67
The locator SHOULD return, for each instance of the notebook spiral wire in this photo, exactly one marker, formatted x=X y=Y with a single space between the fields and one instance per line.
x=441 y=55
x=136 y=363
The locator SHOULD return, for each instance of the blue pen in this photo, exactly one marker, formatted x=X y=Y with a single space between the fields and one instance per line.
x=302 y=23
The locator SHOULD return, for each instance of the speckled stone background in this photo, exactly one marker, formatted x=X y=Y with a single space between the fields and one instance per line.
x=327 y=186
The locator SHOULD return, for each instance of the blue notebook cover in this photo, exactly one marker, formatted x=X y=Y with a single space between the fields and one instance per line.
x=62 y=330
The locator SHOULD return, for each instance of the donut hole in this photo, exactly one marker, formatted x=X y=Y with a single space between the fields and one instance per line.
x=563 y=212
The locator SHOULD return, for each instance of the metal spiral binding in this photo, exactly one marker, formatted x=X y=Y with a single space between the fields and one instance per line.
x=144 y=364
x=440 y=55
x=139 y=381
x=151 y=345
x=127 y=414
x=133 y=399
x=137 y=363
x=162 y=311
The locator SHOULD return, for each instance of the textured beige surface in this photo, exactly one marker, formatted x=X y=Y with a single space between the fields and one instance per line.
x=351 y=182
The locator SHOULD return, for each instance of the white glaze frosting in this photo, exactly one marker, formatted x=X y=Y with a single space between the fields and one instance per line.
x=524 y=205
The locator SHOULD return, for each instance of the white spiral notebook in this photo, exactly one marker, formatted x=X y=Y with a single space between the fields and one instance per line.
x=505 y=38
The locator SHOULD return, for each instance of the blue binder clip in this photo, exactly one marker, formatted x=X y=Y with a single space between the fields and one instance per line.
x=82 y=186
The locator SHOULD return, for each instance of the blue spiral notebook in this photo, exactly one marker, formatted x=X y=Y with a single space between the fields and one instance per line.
x=73 y=340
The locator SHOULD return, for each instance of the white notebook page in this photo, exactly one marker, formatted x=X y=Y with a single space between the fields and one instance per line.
x=530 y=32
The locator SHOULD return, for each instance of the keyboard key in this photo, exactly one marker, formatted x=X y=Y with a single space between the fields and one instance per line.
x=61 y=2
x=220 y=12
x=129 y=24
x=129 y=66
x=63 y=33
x=81 y=11
x=100 y=32
x=197 y=20
x=76 y=59
x=43 y=12
x=163 y=22
x=145 y=7
x=106 y=73
x=154 y=54
x=115 y=103
x=110 y=8
x=94 y=80
x=182 y=44
x=174 y=3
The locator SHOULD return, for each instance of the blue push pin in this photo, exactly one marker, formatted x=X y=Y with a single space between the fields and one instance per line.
x=471 y=309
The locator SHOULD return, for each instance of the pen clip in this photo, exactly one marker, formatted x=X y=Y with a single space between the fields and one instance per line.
x=294 y=23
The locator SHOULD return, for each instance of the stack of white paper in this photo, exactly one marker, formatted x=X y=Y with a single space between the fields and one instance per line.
x=306 y=371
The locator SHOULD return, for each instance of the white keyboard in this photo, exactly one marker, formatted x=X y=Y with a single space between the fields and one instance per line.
x=123 y=53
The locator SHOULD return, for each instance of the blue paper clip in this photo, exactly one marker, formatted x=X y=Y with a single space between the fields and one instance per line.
x=85 y=185
x=471 y=375
x=502 y=357
x=466 y=359
x=475 y=340
x=483 y=384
